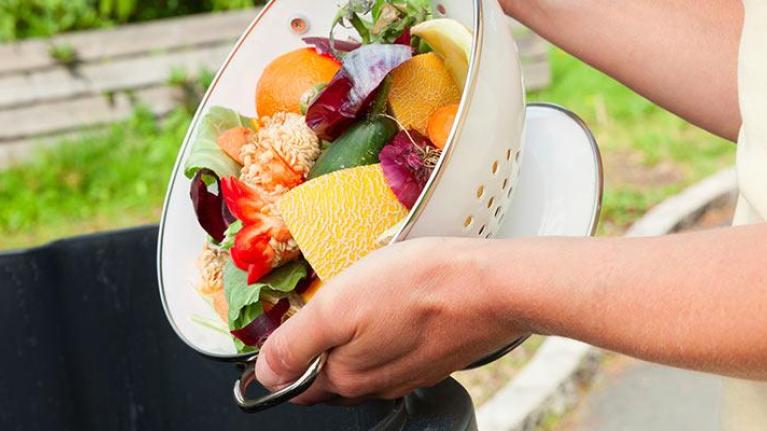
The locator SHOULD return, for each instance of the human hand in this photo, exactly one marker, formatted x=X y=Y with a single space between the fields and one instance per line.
x=405 y=317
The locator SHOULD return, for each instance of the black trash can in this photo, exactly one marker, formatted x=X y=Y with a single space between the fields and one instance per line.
x=88 y=348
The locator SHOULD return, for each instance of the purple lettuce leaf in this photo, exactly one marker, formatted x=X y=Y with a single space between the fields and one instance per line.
x=211 y=211
x=353 y=88
x=322 y=45
x=256 y=332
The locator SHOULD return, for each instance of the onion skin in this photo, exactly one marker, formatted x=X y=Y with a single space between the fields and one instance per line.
x=404 y=165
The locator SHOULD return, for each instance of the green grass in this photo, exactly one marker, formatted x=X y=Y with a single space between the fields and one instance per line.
x=108 y=179
x=118 y=177
x=21 y=19
x=649 y=154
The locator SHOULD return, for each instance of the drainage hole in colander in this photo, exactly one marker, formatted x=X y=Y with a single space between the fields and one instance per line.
x=490 y=203
x=505 y=183
x=497 y=211
x=519 y=154
x=480 y=192
x=508 y=154
x=468 y=222
x=299 y=25
x=482 y=230
x=508 y=194
x=495 y=167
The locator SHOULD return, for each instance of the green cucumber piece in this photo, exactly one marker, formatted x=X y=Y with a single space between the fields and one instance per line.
x=359 y=146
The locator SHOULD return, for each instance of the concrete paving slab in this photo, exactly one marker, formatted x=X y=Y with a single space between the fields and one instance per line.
x=638 y=396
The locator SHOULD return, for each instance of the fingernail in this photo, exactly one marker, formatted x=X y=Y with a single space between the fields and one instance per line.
x=265 y=375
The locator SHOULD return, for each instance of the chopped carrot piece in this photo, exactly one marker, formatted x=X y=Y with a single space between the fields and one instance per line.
x=232 y=141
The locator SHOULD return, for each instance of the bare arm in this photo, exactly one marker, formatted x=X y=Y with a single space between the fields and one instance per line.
x=681 y=54
x=694 y=300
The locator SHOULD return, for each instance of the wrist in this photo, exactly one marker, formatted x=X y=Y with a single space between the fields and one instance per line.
x=504 y=269
x=527 y=290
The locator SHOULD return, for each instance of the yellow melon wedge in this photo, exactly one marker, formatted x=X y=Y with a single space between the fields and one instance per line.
x=336 y=218
x=419 y=87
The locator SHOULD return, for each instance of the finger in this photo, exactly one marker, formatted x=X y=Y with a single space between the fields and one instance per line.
x=296 y=343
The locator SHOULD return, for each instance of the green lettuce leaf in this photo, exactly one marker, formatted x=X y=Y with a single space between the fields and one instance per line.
x=392 y=17
x=388 y=18
x=230 y=234
x=242 y=347
x=243 y=299
x=205 y=151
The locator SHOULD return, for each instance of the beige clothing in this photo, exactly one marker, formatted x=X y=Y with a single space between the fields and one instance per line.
x=745 y=403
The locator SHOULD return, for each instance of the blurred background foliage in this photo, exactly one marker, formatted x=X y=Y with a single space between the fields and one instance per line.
x=21 y=19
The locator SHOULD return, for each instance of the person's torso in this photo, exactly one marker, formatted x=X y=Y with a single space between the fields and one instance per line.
x=745 y=403
x=752 y=85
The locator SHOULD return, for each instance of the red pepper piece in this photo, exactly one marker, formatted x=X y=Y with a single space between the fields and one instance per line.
x=242 y=200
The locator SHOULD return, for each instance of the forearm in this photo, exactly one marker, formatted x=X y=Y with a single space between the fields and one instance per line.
x=695 y=300
x=681 y=54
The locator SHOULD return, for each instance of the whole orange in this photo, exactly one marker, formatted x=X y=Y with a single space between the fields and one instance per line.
x=288 y=77
x=440 y=124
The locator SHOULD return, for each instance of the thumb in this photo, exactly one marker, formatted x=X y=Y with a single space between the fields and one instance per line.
x=288 y=352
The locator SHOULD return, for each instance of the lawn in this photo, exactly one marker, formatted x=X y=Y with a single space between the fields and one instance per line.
x=22 y=19
x=117 y=177
x=102 y=181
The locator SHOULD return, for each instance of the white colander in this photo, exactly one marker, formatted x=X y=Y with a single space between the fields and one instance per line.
x=476 y=189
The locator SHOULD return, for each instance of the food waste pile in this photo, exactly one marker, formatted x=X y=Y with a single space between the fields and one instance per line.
x=347 y=134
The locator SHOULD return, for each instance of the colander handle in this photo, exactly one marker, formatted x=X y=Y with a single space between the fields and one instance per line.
x=499 y=354
x=285 y=394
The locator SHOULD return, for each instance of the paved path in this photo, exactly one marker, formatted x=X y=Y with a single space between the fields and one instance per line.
x=637 y=396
